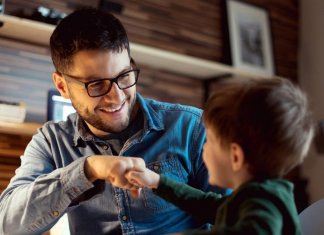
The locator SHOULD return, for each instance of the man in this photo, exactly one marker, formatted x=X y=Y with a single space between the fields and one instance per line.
x=77 y=166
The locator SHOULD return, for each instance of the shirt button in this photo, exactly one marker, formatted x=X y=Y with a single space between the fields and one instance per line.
x=105 y=147
x=156 y=167
x=124 y=217
x=56 y=213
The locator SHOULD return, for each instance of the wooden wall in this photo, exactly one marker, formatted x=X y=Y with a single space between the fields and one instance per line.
x=25 y=75
x=11 y=147
x=191 y=27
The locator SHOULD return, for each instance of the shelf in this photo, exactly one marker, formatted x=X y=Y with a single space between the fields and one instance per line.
x=39 y=33
x=11 y=153
x=27 y=129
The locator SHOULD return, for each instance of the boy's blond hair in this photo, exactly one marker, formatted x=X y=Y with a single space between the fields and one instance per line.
x=268 y=118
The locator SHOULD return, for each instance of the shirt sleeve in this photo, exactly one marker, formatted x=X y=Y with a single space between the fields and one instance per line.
x=39 y=194
x=190 y=199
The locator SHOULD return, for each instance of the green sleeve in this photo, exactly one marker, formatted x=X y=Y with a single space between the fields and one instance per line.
x=201 y=205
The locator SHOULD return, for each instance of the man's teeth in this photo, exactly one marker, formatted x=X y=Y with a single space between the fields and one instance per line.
x=112 y=110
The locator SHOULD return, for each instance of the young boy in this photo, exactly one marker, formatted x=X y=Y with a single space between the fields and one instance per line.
x=257 y=130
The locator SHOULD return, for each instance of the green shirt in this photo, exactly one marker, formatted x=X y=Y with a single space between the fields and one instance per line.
x=256 y=207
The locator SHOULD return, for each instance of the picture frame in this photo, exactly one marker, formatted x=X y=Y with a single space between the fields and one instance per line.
x=250 y=38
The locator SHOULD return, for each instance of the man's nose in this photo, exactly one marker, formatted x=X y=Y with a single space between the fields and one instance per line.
x=115 y=94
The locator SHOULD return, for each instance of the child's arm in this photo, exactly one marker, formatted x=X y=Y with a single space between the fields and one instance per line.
x=143 y=178
x=196 y=202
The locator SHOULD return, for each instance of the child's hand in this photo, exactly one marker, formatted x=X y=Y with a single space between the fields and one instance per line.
x=143 y=178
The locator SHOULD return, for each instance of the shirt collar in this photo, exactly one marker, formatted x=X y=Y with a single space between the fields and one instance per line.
x=152 y=120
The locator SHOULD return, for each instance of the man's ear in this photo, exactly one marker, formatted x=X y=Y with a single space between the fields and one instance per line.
x=61 y=85
x=237 y=157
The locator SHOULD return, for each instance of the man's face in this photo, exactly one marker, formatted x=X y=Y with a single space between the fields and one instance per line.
x=112 y=112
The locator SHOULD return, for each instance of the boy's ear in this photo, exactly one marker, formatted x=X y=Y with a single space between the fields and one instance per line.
x=60 y=84
x=237 y=157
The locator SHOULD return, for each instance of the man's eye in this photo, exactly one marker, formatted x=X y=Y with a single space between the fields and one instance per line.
x=125 y=75
x=96 y=84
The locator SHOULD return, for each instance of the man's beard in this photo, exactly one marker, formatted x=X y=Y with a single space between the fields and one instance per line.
x=100 y=124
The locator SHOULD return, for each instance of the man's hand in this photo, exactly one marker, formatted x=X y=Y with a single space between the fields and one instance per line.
x=113 y=169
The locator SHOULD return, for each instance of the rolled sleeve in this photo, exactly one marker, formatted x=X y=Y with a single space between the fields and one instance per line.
x=74 y=180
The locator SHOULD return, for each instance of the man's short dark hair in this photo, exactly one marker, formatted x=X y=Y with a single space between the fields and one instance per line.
x=86 y=29
x=268 y=118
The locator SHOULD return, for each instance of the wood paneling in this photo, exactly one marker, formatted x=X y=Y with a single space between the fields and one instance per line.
x=11 y=147
x=26 y=76
x=192 y=27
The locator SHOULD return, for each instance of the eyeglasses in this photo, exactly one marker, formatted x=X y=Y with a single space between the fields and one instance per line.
x=102 y=86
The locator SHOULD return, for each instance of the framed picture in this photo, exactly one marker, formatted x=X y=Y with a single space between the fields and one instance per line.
x=249 y=38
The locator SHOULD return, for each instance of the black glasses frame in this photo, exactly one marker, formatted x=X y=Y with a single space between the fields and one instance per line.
x=112 y=80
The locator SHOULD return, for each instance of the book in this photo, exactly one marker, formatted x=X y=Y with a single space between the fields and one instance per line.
x=12 y=111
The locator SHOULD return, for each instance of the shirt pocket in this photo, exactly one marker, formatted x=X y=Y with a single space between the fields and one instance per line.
x=171 y=167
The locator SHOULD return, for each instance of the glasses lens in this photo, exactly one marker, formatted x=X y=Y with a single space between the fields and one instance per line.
x=102 y=87
x=99 y=88
x=127 y=79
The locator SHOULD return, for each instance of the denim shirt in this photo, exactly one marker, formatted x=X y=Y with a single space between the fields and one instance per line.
x=51 y=179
